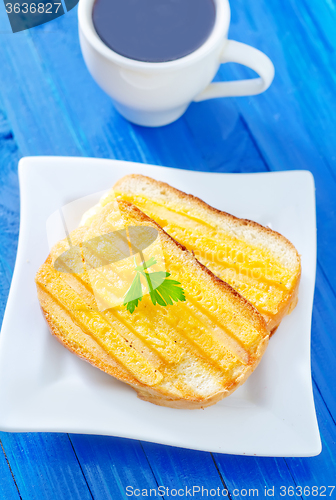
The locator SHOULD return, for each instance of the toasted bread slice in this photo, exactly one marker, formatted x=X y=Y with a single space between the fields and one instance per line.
x=187 y=355
x=261 y=264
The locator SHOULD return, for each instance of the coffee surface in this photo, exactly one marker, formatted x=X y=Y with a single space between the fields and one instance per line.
x=154 y=30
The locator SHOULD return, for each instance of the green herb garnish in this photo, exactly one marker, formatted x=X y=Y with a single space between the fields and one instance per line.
x=162 y=291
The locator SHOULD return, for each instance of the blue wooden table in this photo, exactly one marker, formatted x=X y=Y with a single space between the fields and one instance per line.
x=49 y=105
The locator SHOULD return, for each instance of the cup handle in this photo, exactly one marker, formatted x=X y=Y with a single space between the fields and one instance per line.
x=250 y=57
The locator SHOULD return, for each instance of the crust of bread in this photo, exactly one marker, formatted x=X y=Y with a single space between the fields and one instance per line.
x=164 y=191
x=159 y=395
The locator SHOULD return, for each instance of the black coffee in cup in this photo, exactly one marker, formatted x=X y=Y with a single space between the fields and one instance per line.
x=154 y=30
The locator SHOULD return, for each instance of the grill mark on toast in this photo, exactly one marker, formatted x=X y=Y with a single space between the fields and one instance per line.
x=231 y=346
x=180 y=234
x=198 y=202
x=227 y=311
x=97 y=327
x=159 y=342
x=241 y=303
x=73 y=337
x=169 y=352
x=221 y=335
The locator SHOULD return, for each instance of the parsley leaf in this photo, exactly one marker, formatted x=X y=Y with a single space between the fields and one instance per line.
x=167 y=292
x=155 y=278
x=162 y=291
x=134 y=294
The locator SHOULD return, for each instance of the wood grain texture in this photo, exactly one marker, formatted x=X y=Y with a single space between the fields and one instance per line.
x=8 y=487
x=323 y=341
x=180 y=469
x=111 y=464
x=49 y=104
x=45 y=466
x=9 y=207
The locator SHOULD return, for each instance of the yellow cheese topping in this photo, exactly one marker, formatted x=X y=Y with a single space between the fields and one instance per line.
x=251 y=270
x=93 y=323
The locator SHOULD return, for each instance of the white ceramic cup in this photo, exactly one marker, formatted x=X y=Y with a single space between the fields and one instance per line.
x=155 y=94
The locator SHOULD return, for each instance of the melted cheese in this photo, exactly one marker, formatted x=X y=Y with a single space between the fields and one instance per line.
x=251 y=270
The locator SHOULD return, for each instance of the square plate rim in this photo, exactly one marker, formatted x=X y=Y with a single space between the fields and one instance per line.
x=33 y=160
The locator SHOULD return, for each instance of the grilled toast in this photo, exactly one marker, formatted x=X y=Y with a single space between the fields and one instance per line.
x=260 y=264
x=187 y=355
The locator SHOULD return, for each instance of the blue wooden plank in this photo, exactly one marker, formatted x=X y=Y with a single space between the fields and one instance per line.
x=9 y=207
x=54 y=136
x=221 y=138
x=253 y=475
x=45 y=466
x=8 y=488
x=184 y=470
x=323 y=341
x=320 y=470
x=323 y=17
x=111 y=465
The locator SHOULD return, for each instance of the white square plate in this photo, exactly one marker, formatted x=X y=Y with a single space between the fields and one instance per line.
x=43 y=387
